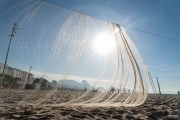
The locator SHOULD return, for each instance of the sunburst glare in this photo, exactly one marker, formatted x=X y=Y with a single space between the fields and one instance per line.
x=104 y=43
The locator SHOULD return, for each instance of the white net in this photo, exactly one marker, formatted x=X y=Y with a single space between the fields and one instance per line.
x=94 y=62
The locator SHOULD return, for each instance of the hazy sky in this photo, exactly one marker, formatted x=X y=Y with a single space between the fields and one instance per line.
x=156 y=16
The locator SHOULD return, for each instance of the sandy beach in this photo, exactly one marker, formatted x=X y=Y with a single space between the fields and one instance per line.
x=166 y=107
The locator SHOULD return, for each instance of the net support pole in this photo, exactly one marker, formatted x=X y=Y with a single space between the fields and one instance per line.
x=158 y=86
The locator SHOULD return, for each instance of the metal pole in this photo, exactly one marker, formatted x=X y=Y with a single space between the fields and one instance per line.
x=152 y=83
x=154 y=86
x=30 y=68
x=158 y=86
x=28 y=74
x=14 y=30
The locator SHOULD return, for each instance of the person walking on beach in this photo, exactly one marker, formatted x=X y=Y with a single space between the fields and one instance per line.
x=178 y=92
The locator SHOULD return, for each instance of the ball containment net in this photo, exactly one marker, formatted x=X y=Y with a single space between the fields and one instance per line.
x=50 y=55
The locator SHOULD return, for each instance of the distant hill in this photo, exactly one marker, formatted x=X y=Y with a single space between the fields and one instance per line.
x=72 y=84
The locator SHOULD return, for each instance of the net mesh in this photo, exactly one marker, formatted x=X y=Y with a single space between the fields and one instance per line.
x=94 y=60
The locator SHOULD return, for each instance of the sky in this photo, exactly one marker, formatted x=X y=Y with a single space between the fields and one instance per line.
x=156 y=16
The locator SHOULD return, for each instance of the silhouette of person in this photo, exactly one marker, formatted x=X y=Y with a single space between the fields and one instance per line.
x=178 y=92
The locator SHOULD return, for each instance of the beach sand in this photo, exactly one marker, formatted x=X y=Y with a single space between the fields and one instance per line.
x=166 y=107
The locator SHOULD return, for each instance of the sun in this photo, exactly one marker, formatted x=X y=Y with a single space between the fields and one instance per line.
x=104 y=43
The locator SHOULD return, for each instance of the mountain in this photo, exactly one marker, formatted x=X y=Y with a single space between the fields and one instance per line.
x=86 y=84
x=72 y=84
